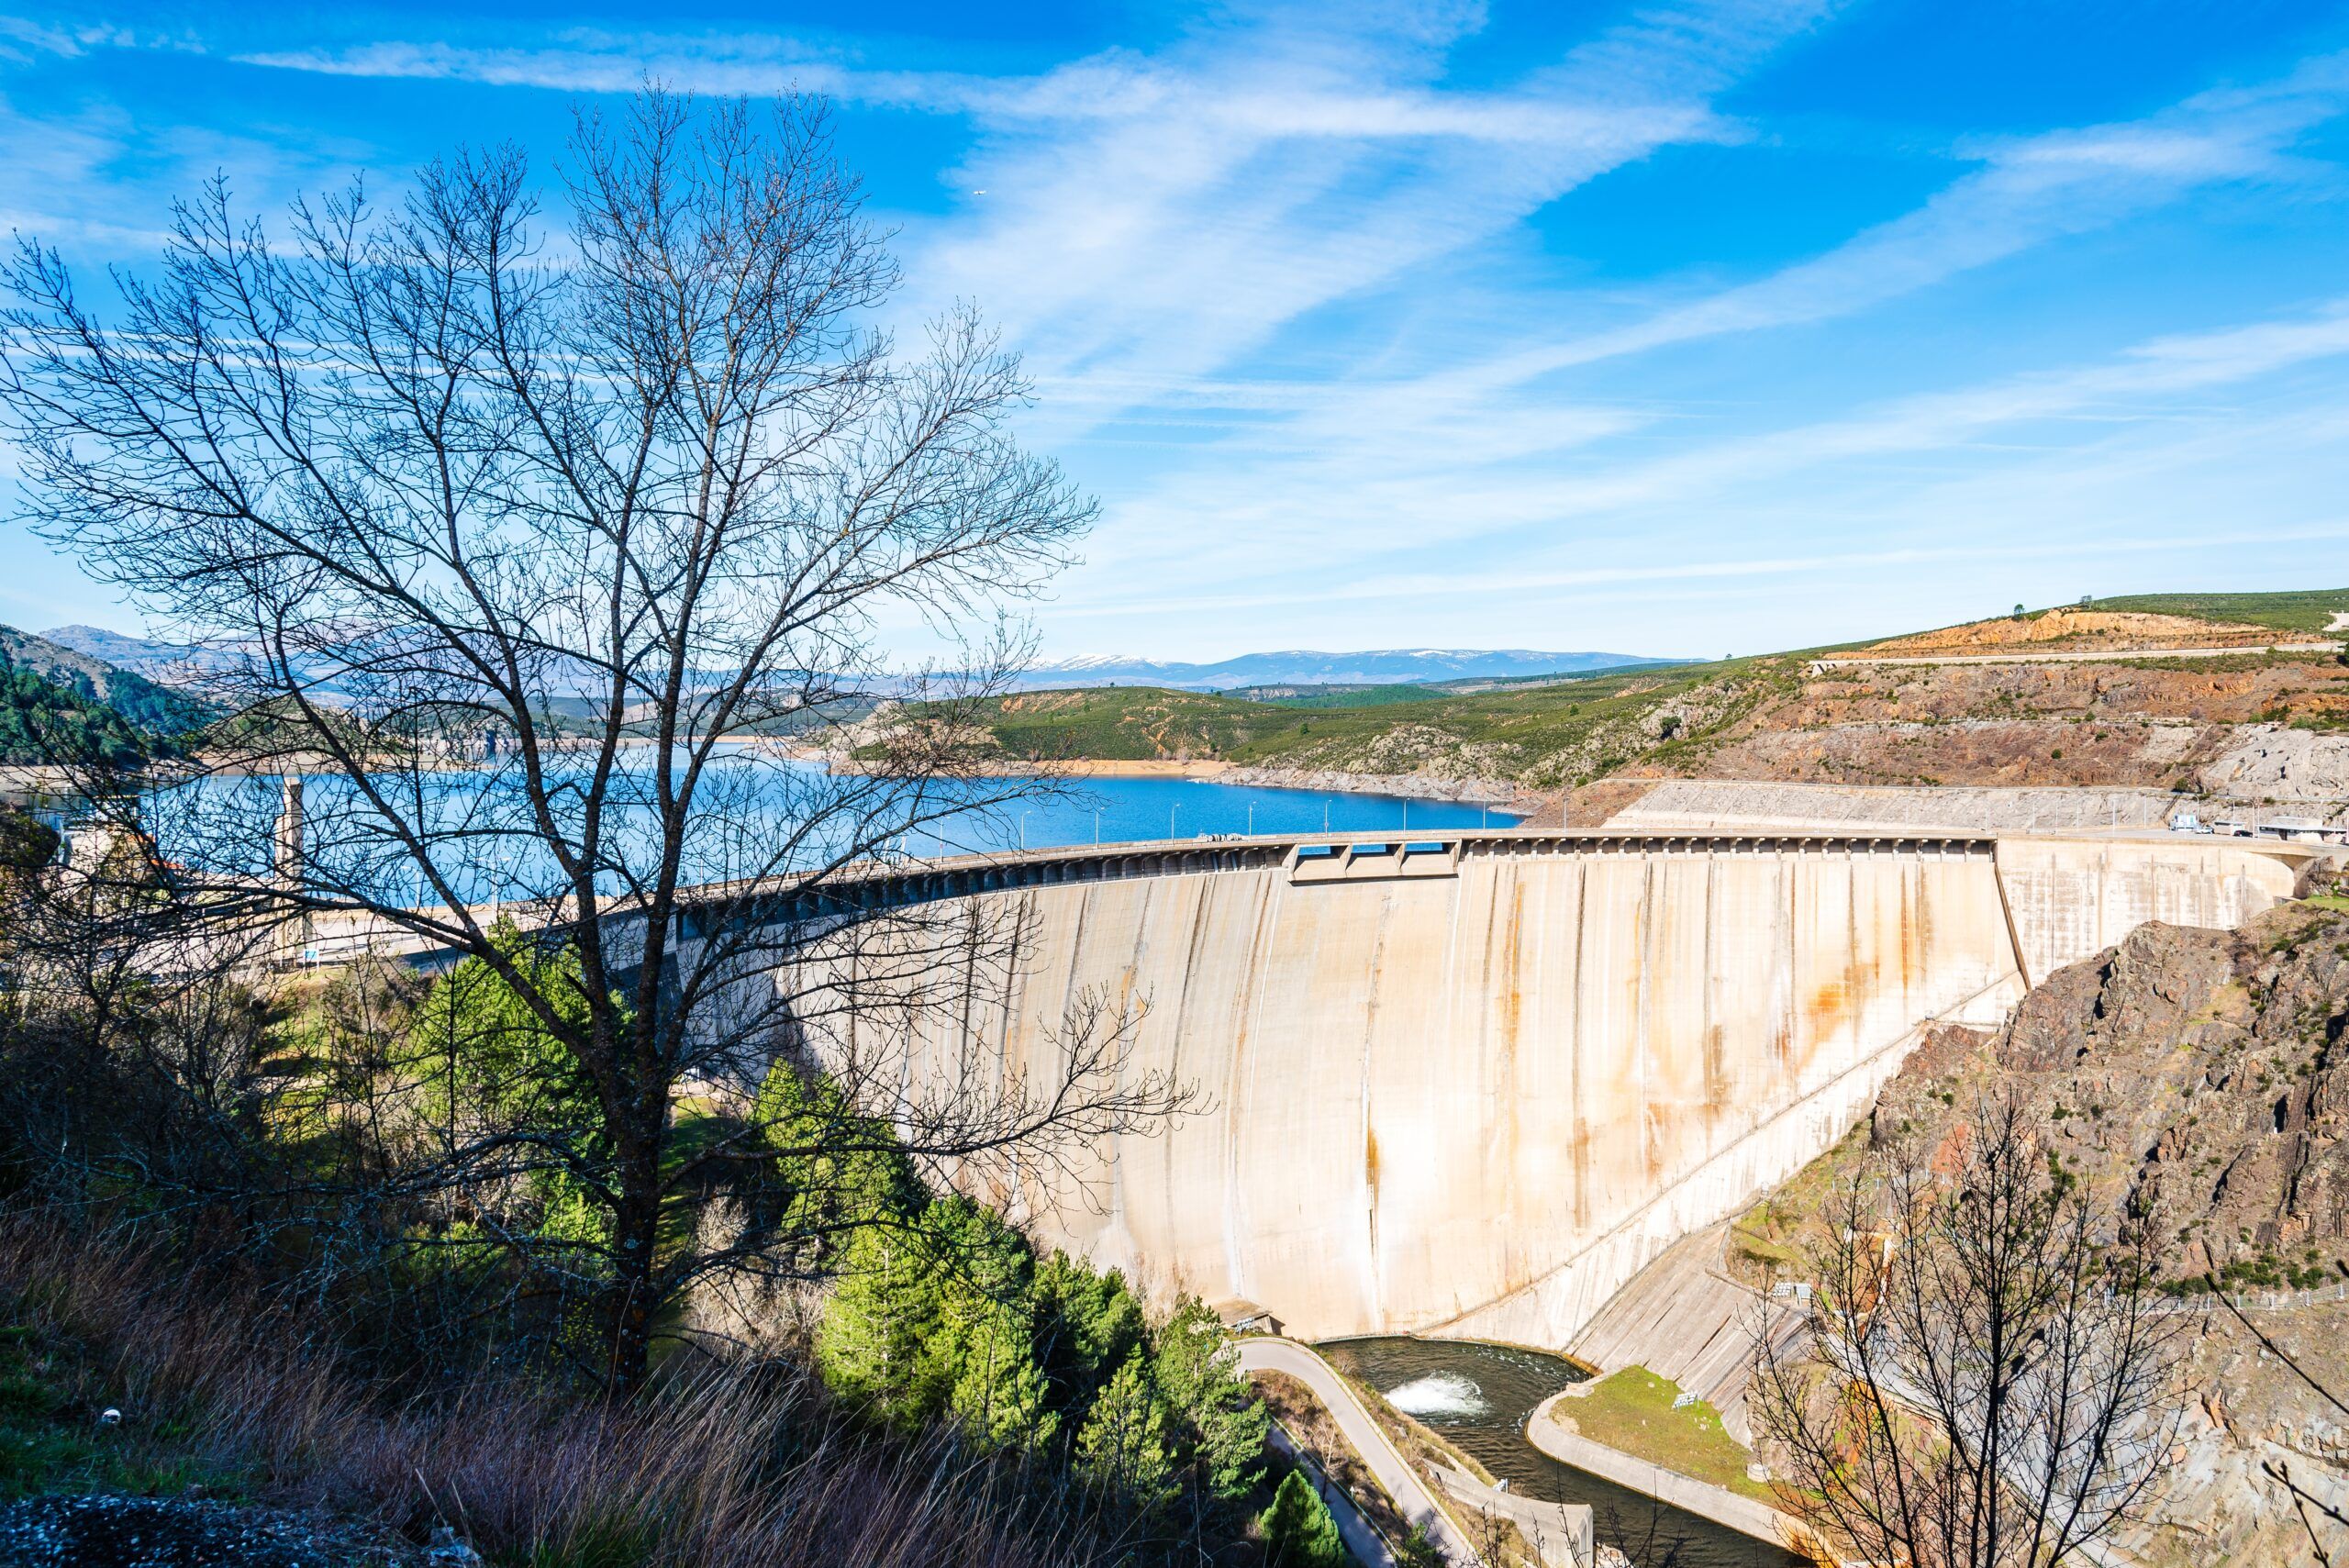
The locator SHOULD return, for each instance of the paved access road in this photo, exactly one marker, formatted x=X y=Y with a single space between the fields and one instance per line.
x=1392 y=1470
x=1363 y=1544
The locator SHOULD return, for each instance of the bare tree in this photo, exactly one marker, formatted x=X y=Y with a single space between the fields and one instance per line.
x=1989 y=1382
x=523 y=544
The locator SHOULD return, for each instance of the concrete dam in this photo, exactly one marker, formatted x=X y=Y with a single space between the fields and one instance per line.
x=1470 y=1084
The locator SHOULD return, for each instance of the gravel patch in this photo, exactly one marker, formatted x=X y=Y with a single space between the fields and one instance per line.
x=158 y=1532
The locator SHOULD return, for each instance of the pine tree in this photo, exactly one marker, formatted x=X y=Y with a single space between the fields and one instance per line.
x=1122 y=1448
x=837 y=1169
x=1087 y=1323
x=1197 y=1370
x=998 y=1395
x=1298 y=1530
x=883 y=1313
x=487 y=1051
x=982 y=1349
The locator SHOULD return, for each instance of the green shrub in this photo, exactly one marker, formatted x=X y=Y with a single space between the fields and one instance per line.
x=1298 y=1530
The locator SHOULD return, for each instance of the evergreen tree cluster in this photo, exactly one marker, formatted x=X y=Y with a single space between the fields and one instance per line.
x=44 y=721
x=939 y=1311
x=489 y=1065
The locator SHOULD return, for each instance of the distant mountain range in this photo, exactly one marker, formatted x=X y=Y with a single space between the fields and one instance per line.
x=172 y=663
x=183 y=664
x=1385 y=666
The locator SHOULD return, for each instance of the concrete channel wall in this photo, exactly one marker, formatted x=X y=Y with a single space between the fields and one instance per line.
x=1473 y=1090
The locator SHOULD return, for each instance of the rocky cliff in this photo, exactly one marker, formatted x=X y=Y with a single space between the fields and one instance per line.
x=2198 y=1078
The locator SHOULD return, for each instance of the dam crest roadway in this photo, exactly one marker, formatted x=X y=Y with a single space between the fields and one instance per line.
x=1467 y=1083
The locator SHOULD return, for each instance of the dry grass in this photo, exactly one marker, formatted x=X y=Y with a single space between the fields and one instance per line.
x=728 y=1468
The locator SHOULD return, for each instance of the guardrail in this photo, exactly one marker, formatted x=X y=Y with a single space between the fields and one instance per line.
x=2261 y=1301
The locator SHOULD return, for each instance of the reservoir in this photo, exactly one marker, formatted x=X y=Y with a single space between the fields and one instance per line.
x=1120 y=810
x=760 y=808
x=1478 y=1397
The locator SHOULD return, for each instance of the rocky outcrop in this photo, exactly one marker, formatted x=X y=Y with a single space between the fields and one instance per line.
x=2117 y=630
x=2198 y=1082
x=2196 y=1078
x=2269 y=762
x=1472 y=790
x=105 y=1531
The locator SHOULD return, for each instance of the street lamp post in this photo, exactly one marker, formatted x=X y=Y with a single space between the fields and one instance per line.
x=1023 y=830
x=1170 y=817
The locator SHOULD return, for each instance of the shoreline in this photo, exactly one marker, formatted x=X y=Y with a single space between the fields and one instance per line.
x=1074 y=767
x=1501 y=797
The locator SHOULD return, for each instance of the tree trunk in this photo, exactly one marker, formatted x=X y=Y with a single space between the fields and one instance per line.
x=634 y=1297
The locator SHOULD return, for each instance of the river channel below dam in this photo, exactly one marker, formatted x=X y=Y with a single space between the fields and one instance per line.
x=1477 y=1398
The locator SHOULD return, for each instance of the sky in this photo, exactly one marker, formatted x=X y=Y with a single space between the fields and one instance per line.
x=1689 y=329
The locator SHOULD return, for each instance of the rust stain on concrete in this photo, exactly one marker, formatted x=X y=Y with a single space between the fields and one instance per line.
x=1493 y=1212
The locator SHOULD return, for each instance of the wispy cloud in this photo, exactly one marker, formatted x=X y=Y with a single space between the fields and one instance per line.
x=1501 y=451
x=1300 y=291
x=1120 y=85
x=1165 y=245
x=2027 y=191
x=1422 y=586
x=2156 y=448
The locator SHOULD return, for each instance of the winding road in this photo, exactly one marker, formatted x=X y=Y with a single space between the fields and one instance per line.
x=1386 y=1463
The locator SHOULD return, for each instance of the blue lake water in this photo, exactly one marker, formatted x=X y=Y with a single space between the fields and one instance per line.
x=764 y=814
x=1114 y=810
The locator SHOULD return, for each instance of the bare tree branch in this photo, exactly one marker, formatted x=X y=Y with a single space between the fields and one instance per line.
x=531 y=547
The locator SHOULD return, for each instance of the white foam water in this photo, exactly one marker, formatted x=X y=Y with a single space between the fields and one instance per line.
x=1439 y=1394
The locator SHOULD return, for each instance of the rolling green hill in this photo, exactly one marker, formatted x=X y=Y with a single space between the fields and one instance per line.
x=2307 y=610
x=1543 y=734
x=1757 y=714
x=1333 y=697
x=1127 y=723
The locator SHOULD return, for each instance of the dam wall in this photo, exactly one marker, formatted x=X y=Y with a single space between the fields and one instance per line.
x=1471 y=1088
x=2071 y=897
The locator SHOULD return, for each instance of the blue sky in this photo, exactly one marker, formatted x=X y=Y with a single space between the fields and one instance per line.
x=1680 y=329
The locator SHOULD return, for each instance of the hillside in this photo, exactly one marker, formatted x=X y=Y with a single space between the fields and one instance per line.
x=2307 y=610
x=146 y=656
x=2196 y=1078
x=2155 y=724
x=1336 y=696
x=148 y=706
x=1544 y=737
x=2070 y=629
x=44 y=722
x=2262 y=726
